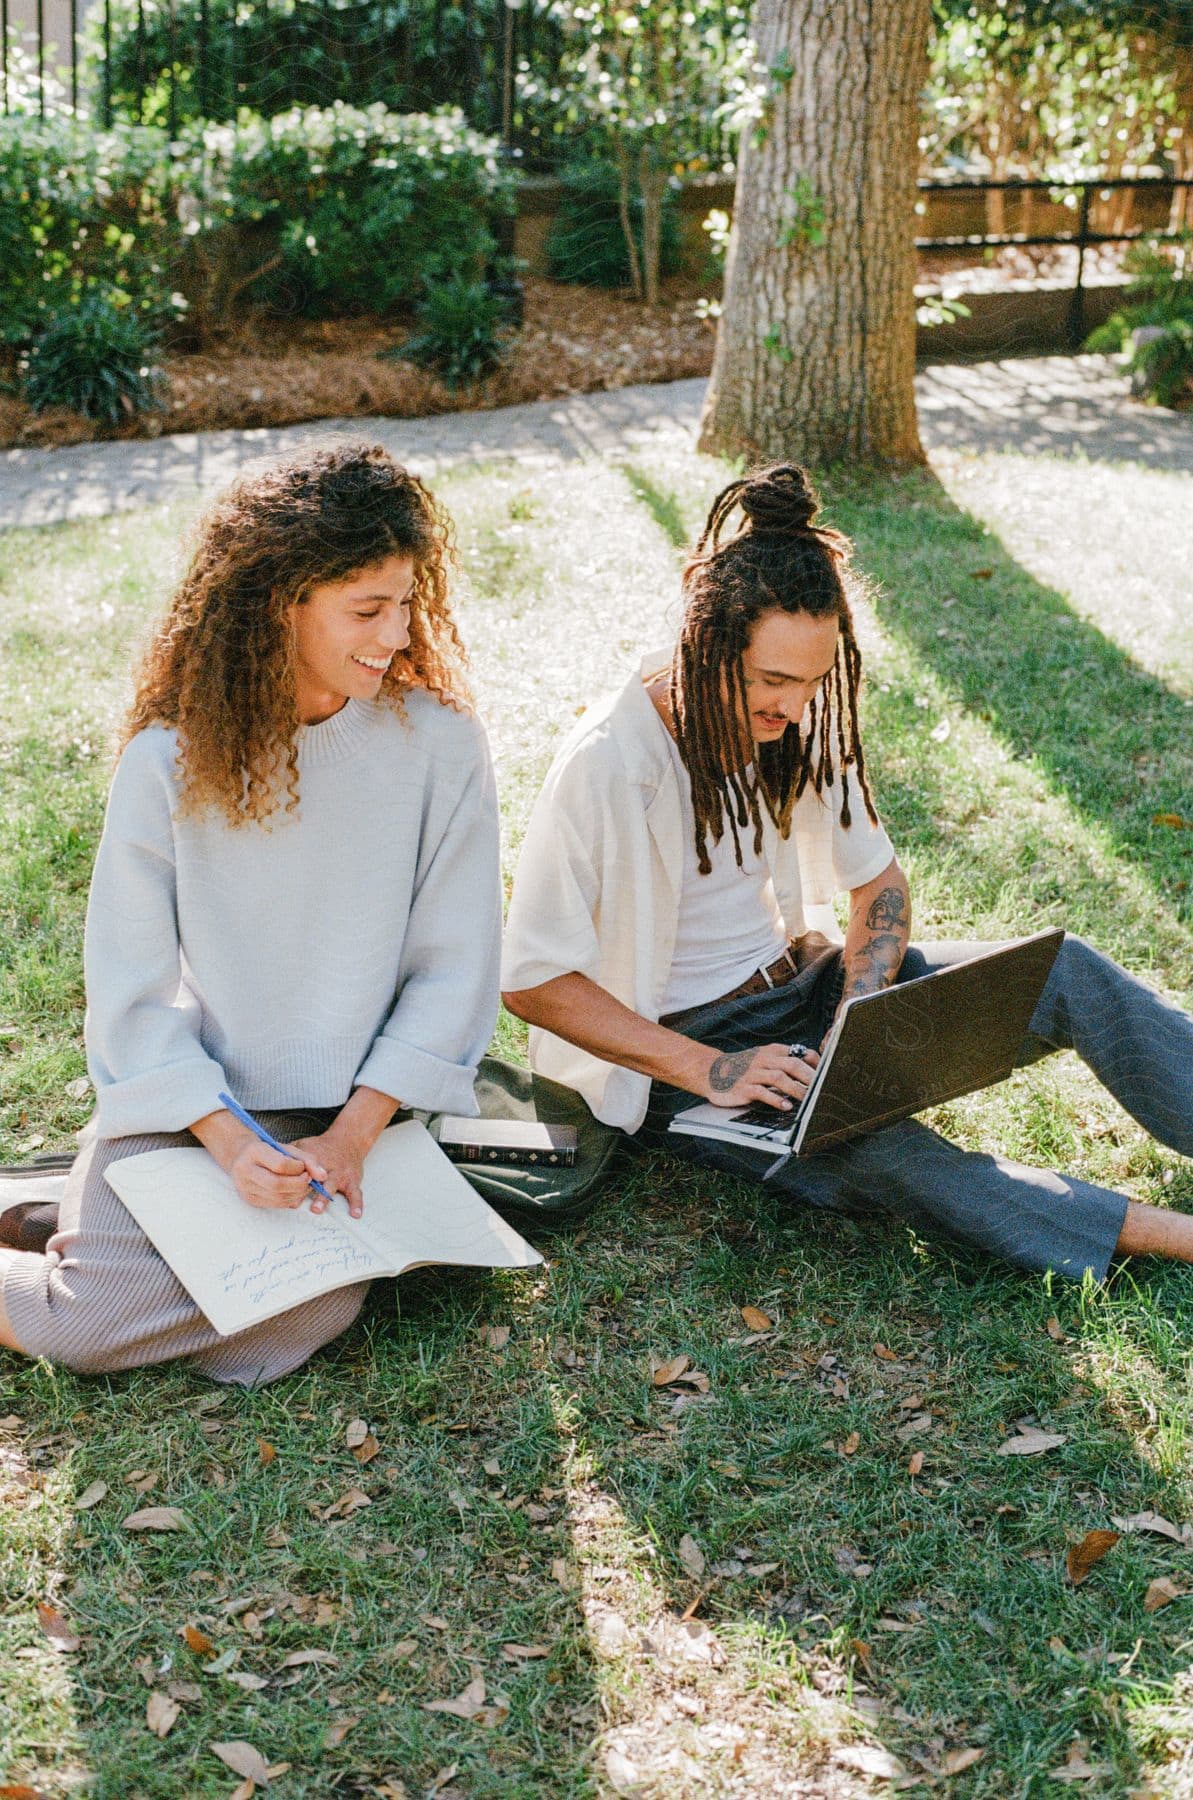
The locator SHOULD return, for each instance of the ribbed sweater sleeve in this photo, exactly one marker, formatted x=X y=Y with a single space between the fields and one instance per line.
x=427 y=1051
x=143 y=1047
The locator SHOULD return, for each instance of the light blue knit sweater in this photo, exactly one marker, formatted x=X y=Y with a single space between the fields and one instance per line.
x=353 y=944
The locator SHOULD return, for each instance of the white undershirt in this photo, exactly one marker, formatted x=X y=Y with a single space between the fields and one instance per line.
x=729 y=920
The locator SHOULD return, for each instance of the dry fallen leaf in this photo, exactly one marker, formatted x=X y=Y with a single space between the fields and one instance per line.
x=495 y=1337
x=244 y=1678
x=524 y=1652
x=1076 y=1767
x=297 y=1658
x=868 y=1759
x=156 y=1518
x=266 y=1452
x=244 y=1790
x=956 y=1760
x=663 y=1374
x=881 y=1351
x=471 y=1705
x=19 y=1790
x=356 y=1433
x=1029 y=1441
x=756 y=1319
x=1055 y=1330
x=622 y=1773
x=337 y=1732
x=1080 y=1558
x=347 y=1504
x=1160 y=1593
x=367 y=1449
x=160 y=1713
x=197 y=1640
x=61 y=1637
x=242 y=1759
x=915 y=1463
x=1173 y=821
x=849 y=1447
x=691 y=1555
x=91 y=1496
x=1152 y=1521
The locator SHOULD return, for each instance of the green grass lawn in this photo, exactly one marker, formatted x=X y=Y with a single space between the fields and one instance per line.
x=542 y=1518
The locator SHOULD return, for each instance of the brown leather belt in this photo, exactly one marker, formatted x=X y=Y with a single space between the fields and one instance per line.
x=794 y=960
x=785 y=968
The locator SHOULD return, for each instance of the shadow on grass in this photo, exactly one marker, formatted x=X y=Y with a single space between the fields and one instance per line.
x=1108 y=735
x=861 y=1537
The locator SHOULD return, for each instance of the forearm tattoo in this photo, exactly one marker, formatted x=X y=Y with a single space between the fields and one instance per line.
x=875 y=963
x=728 y=1069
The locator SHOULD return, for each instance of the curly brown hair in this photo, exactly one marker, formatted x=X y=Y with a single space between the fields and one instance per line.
x=220 y=667
x=779 y=560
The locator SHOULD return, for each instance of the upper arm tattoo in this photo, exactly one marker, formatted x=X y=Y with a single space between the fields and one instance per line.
x=889 y=911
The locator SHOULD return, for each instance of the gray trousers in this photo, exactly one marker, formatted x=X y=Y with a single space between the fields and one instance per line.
x=1138 y=1045
x=102 y=1299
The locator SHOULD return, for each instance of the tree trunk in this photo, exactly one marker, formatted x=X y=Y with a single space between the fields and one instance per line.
x=621 y=154
x=652 y=179
x=815 y=352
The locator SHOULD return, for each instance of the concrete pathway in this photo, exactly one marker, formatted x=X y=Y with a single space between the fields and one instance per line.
x=1065 y=406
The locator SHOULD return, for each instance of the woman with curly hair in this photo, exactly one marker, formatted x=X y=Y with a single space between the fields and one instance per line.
x=295 y=900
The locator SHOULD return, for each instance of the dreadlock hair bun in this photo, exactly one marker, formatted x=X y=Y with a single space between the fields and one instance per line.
x=780 y=500
x=778 y=560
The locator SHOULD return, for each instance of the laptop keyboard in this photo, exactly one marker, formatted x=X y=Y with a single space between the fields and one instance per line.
x=759 y=1113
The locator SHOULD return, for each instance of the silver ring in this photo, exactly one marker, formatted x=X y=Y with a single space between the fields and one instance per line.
x=800 y=1050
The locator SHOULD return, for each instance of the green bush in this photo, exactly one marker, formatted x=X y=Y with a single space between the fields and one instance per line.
x=1155 y=327
x=94 y=358
x=80 y=209
x=462 y=331
x=586 y=242
x=343 y=207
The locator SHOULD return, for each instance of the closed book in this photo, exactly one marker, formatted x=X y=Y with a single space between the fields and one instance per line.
x=511 y=1143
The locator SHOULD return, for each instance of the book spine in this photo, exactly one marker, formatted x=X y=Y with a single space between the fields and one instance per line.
x=510 y=1157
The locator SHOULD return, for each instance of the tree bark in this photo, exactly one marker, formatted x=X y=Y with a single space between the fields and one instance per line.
x=815 y=353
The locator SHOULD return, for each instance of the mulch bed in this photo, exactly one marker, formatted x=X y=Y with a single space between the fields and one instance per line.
x=278 y=371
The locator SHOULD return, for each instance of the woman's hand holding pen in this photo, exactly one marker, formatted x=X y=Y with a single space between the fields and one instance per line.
x=266 y=1175
x=267 y=1178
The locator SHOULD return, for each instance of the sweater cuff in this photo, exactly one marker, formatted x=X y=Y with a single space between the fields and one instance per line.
x=168 y=1099
x=418 y=1080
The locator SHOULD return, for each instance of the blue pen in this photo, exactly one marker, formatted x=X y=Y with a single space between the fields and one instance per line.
x=238 y=1112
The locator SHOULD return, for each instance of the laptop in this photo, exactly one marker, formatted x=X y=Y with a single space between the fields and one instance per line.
x=901 y=1050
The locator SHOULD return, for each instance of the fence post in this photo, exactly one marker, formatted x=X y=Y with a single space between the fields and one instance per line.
x=1077 y=306
x=74 y=55
x=107 y=65
x=4 y=51
x=41 y=59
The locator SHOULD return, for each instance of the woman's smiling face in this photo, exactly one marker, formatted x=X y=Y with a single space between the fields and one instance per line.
x=346 y=634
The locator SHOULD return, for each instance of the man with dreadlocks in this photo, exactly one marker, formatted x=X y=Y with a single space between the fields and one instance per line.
x=658 y=942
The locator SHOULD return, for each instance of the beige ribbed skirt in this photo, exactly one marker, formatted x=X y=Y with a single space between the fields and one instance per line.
x=102 y=1299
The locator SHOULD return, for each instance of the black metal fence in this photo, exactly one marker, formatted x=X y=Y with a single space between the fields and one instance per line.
x=1091 y=197
x=165 y=61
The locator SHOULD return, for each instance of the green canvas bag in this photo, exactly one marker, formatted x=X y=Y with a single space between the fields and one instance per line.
x=551 y=1196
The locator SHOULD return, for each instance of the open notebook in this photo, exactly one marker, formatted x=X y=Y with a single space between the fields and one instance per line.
x=242 y=1264
x=893 y=1053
